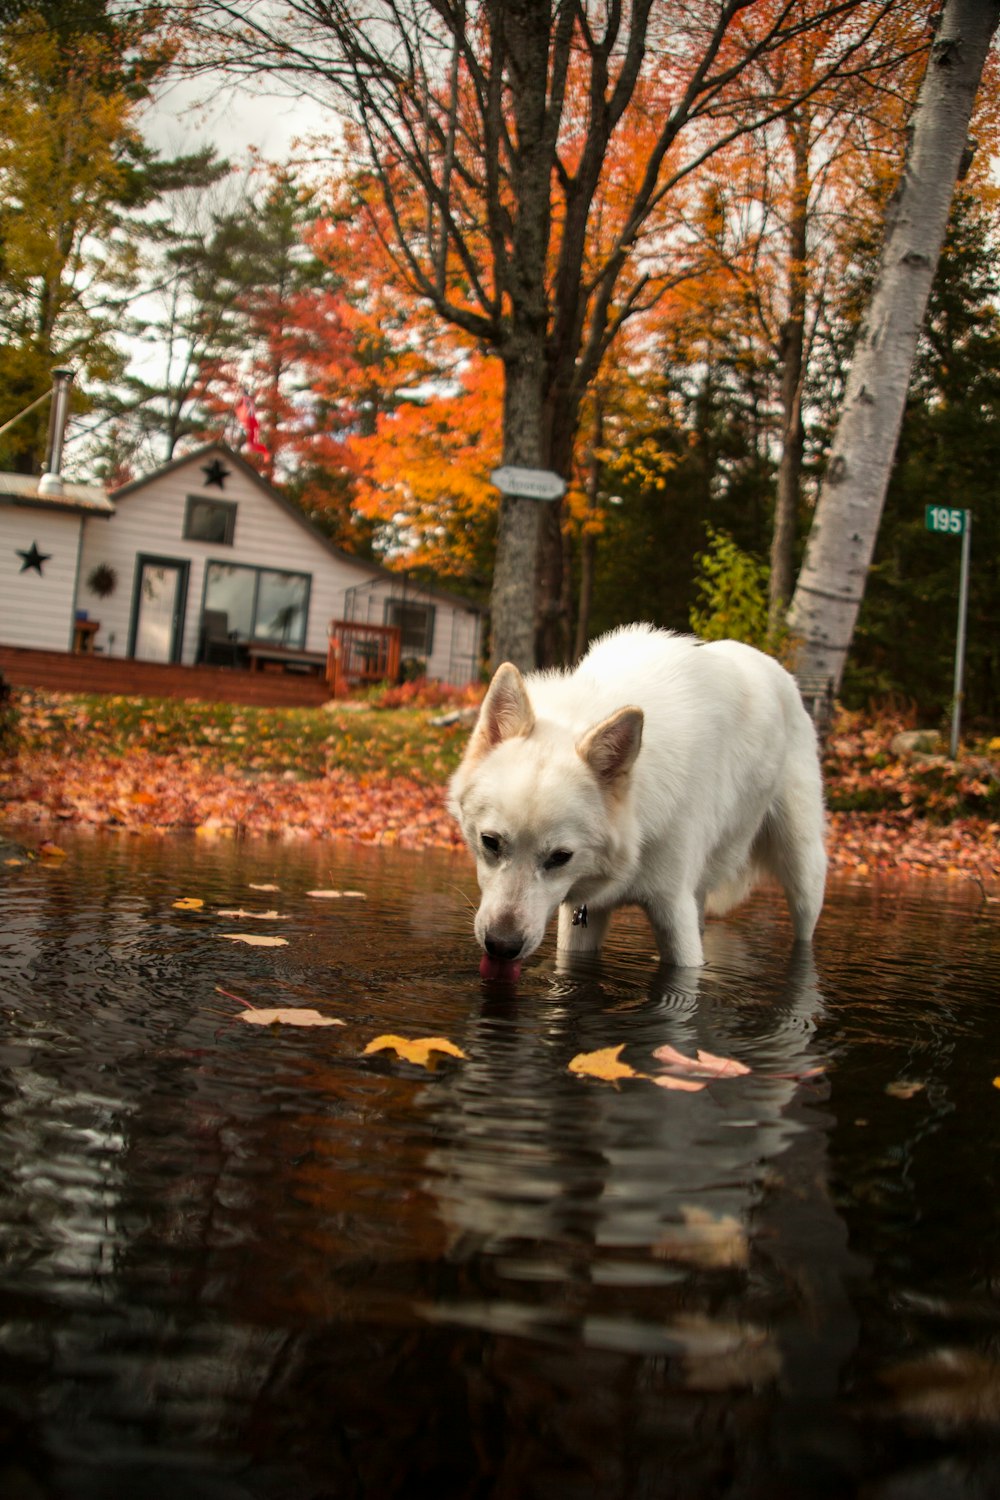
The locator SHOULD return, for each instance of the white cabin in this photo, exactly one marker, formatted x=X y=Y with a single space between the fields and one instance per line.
x=197 y=560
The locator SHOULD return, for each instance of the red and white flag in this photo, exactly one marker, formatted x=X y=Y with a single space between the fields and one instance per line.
x=246 y=414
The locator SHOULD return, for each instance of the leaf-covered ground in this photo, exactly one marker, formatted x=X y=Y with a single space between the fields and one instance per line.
x=376 y=774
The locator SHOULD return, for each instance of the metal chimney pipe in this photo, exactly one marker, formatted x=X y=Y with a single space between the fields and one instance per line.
x=51 y=481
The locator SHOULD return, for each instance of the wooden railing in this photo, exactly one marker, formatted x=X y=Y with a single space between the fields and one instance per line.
x=360 y=654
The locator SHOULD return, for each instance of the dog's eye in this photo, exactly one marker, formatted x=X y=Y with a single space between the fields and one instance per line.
x=558 y=857
x=490 y=843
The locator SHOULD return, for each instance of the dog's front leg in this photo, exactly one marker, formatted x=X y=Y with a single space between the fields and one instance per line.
x=582 y=929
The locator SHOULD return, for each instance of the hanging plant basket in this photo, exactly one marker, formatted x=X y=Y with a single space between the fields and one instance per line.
x=102 y=580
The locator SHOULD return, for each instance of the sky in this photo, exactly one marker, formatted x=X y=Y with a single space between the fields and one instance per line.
x=191 y=112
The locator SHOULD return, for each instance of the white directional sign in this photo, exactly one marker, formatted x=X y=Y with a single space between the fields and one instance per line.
x=529 y=484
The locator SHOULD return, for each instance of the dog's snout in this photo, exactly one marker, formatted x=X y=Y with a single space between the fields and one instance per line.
x=503 y=948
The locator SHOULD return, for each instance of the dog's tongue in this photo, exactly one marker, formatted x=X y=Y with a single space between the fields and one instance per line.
x=504 y=970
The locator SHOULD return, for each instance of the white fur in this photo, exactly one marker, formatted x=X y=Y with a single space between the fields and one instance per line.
x=672 y=771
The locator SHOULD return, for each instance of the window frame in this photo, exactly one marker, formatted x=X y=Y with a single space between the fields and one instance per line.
x=430 y=613
x=257 y=570
x=228 y=507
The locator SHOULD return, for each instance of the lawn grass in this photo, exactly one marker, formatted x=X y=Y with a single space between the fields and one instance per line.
x=352 y=736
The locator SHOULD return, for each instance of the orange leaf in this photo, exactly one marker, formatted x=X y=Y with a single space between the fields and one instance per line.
x=604 y=1063
x=189 y=903
x=414 y=1049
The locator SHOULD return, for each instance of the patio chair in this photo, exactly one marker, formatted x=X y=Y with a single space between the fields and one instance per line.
x=219 y=646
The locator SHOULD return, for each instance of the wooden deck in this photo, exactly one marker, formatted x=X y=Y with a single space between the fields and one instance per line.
x=65 y=672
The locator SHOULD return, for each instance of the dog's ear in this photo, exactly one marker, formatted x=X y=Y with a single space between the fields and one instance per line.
x=610 y=748
x=506 y=712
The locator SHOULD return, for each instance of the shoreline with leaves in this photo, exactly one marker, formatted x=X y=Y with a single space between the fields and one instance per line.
x=375 y=772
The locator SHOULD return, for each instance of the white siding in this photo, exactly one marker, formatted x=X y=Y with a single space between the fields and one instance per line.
x=149 y=520
x=454 y=655
x=38 y=610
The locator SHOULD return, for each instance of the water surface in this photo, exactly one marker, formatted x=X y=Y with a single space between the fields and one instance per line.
x=255 y=1263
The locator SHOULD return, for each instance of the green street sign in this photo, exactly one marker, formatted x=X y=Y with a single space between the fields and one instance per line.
x=945 y=518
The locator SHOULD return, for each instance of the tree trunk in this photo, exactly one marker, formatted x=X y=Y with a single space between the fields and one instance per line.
x=842 y=539
x=588 y=541
x=793 y=340
x=512 y=601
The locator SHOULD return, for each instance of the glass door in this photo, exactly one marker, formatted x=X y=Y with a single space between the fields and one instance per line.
x=158 y=610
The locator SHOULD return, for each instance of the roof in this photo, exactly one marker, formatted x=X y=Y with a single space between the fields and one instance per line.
x=22 y=489
x=372 y=570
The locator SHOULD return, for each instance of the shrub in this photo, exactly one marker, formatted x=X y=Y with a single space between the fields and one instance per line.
x=732 y=587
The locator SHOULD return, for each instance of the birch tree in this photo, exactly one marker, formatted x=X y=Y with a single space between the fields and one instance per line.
x=841 y=541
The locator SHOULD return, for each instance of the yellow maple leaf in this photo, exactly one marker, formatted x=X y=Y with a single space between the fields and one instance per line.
x=189 y=903
x=415 y=1049
x=604 y=1063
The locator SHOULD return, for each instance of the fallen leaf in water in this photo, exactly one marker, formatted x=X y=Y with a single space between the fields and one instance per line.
x=903 y=1089
x=705 y=1065
x=415 y=1049
x=337 y=895
x=254 y=939
x=254 y=887
x=189 y=903
x=604 y=1063
x=15 y=861
x=259 y=916
x=670 y=1081
x=287 y=1015
x=48 y=850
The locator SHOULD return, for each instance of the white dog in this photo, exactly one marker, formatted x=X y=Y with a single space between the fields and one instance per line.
x=663 y=771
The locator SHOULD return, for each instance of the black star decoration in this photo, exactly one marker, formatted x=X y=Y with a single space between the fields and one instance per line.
x=33 y=558
x=215 y=472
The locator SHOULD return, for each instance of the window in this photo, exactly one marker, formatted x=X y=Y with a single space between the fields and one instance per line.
x=260 y=603
x=416 y=626
x=210 y=521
